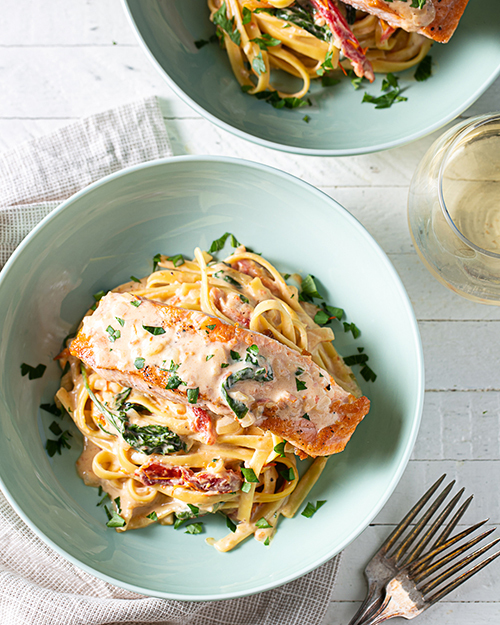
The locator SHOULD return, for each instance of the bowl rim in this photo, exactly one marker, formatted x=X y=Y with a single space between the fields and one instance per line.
x=419 y=382
x=455 y=112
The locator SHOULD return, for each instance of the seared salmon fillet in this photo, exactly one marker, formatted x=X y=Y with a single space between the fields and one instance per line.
x=436 y=19
x=189 y=357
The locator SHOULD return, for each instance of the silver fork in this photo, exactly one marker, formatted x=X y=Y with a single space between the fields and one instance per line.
x=397 y=575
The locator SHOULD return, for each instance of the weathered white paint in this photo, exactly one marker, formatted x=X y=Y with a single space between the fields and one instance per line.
x=60 y=61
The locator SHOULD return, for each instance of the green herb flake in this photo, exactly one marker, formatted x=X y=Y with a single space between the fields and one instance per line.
x=244 y=299
x=352 y=327
x=326 y=65
x=200 y=43
x=253 y=349
x=136 y=303
x=246 y=487
x=329 y=81
x=101 y=502
x=156 y=260
x=263 y=523
x=116 y=521
x=300 y=385
x=211 y=326
x=311 y=509
x=392 y=93
x=246 y=88
x=113 y=334
x=33 y=373
x=134 y=279
x=232 y=282
x=306 y=119
x=194 y=528
x=299 y=371
x=117 y=504
x=194 y=509
x=288 y=474
x=309 y=290
x=249 y=475
x=246 y=15
x=99 y=295
x=177 y=260
x=280 y=449
x=258 y=64
x=235 y=355
x=120 y=321
x=55 y=429
x=368 y=374
x=224 y=365
x=221 y=20
x=424 y=69
x=267 y=541
x=209 y=356
x=266 y=41
x=139 y=363
x=231 y=524
x=153 y=516
x=52 y=408
x=192 y=395
x=306 y=416
x=56 y=446
x=219 y=243
x=154 y=330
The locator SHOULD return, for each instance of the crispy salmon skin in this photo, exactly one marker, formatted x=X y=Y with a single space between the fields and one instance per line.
x=192 y=358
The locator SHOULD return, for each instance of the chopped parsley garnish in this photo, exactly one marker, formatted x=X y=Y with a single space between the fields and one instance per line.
x=155 y=330
x=352 y=327
x=391 y=93
x=424 y=69
x=153 y=516
x=194 y=509
x=117 y=504
x=231 y=524
x=246 y=15
x=194 y=528
x=156 y=260
x=266 y=542
x=227 y=25
x=139 y=363
x=120 y=321
x=244 y=299
x=235 y=355
x=211 y=326
x=192 y=395
x=306 y=416
x=115 y=520
x=300 y=385
x=232 y=282
x=280 y=449
x=136 y=303
x=309 y=290
x=356 y=359
x=173 y=382
x=33 y=372
x=54 y=446
x=368 y=374
x=177 y=260
x=306 y=119
x=134 y=279
x=224 y=365
x=101 y=502
x=273 y=98
x=326 y=65
x=99 y=295
x=249 y=475
x=209 y=356
x=266 y=41
x=113 y=334
x=246 y=487
x=288 y=474
x=219 y=243
x=299 y=371
x=263 y=523
x=311 y=509
x=322 y=317
x=52 y=408
x=258 y=64
x=418 y=4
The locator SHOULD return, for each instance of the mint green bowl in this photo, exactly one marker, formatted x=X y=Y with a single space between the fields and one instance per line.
x=340 y=125
x=111 y=230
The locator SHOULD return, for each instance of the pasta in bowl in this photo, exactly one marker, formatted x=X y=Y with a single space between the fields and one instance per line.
x=197 y=388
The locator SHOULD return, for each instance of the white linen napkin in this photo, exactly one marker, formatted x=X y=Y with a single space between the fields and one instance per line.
x=37 y=585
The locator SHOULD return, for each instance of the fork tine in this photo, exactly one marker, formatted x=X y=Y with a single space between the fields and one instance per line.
x=423 y=542
x=430 y=555
x=422 y=523
x=456 y=567
x=449 y=557
x=452 y=524
x=410 y=516
x=461 y=579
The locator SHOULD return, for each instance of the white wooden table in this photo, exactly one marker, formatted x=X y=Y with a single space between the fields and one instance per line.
x=62 y=60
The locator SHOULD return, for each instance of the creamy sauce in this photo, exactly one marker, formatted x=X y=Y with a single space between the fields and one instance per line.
x=189 y=349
